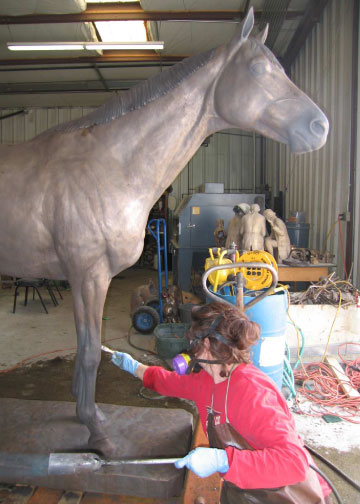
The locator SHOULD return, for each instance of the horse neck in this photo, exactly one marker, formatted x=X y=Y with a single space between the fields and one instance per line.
x=169 y=130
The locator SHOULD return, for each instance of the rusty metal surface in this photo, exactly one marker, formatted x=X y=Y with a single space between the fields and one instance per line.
x=42 y=427
x=198 y=489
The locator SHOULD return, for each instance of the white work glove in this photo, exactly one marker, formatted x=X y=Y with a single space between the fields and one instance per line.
x=205 y=461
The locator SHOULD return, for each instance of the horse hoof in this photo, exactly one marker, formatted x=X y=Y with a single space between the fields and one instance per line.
x=103 y=446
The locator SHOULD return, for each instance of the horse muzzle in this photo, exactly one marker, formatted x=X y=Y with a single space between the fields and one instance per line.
x=306 y=135
x=297 y=122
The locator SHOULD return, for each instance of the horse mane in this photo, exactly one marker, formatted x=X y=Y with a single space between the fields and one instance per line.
x=139 y=95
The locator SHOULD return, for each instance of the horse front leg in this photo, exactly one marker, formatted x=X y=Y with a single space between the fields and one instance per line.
x=88 y=298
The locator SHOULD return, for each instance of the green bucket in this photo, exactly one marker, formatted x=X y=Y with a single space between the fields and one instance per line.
x=170 y=339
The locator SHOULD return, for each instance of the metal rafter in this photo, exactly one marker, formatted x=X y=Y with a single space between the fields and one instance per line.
x=311 y=17
x=133 y=12
x=274 y=13
x=108 y=57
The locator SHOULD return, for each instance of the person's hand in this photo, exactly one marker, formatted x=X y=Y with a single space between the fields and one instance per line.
x=125 y=361
x=205 y=461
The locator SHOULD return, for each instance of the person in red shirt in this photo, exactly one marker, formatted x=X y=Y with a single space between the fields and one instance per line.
x=253 y=441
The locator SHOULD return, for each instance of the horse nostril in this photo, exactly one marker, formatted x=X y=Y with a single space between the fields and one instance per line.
x=319 y=127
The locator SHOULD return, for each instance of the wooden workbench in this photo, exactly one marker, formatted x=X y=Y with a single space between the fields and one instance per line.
x=308 y=273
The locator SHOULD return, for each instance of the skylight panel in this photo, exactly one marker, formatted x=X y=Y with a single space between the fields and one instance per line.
x=122 y=31
x=111 y=1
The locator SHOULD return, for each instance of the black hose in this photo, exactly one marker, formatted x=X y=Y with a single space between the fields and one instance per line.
x=333 y=467
x=166 y=365
x=335 y=492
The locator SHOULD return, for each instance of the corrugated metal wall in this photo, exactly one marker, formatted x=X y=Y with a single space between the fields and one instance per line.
x=318 y=182
x=22 y=127
x=231 y=158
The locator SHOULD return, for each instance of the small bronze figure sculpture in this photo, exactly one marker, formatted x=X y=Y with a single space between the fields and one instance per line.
x=220 y=233
x=279 y=237
x=233 y=231
x=253 y=229
x=74 y=201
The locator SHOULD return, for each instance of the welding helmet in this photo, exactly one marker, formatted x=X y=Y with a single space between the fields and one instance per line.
x=187 y=362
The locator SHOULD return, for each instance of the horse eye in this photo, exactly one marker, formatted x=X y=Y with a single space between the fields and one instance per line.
x=258 y=68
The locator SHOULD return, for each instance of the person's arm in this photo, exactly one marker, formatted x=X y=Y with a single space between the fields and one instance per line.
x=278 y=458
x=202 y=461
x=156 y=378
x=140 y=371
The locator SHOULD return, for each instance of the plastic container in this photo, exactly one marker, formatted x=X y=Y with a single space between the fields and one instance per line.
x=271 y=315
x=170 y=339
x=298 y=234
x=185 y=312
x=297 y=217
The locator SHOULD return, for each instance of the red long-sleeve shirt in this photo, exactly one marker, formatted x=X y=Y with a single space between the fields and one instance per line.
x=258 y=411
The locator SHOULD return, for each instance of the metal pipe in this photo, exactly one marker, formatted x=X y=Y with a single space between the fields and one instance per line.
x=238 y=266
x=349 y=254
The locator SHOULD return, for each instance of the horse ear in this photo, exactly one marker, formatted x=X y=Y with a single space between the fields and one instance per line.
x=243 y=32
x=262 y=36
x=247 y=24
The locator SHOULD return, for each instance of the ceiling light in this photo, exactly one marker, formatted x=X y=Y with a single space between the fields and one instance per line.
x=78 y=46
x=44 y=46
x=123 y=45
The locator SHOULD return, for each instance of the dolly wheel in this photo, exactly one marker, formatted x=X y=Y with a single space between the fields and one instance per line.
x=145 y=319
x=154 y=304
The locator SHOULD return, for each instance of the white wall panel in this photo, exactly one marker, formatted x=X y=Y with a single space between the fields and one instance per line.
x=24 y=127
x=317 y=182
x=228 y=159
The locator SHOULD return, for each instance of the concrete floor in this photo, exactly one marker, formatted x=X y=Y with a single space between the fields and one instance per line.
x=33 y=335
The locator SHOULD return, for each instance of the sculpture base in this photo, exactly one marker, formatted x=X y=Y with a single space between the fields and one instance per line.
x=44 y=427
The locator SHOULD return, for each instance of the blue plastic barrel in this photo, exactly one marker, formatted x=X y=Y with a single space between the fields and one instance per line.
x=271 y=315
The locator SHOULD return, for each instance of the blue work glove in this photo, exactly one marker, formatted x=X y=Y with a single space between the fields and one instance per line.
x=125 y=361
x=205 y=461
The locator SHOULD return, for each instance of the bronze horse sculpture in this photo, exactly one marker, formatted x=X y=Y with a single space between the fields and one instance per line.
x=74 y=201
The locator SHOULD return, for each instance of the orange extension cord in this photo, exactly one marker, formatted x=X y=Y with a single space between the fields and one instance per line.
x=324 y=391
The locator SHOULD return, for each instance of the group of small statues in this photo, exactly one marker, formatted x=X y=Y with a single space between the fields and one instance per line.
x=247 y=229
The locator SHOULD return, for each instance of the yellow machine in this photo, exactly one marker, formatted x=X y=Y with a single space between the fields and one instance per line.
x=255 y=278
x=219 y=277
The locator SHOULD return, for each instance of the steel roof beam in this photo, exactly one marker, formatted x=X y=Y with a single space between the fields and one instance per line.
x=311 y=17
x=133 y=12
x=66 y=87
x=114 y=57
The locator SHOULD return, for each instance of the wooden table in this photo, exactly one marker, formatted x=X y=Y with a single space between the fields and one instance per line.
x=308 y=273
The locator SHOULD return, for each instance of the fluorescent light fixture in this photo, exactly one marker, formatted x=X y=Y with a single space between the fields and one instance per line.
x=79 y=46
x=44 y=46
x=92 y=46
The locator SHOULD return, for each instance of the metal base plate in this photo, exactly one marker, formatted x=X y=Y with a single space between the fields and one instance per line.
x=44 y=427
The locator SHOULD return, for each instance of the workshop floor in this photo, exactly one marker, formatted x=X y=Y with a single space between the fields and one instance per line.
x=45 y=345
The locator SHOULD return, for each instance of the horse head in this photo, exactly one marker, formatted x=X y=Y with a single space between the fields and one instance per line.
x=252 y=92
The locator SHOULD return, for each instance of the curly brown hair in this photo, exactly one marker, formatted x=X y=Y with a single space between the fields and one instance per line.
x=237 y=333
